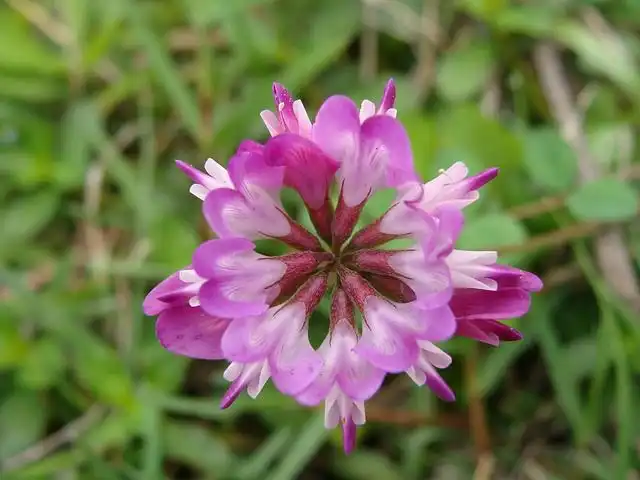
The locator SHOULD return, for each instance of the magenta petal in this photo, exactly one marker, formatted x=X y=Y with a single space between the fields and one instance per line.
x=214 y=207
x=439 y=387
x=348 y=435
x=477 y=181
x=504 y=332
x=164 y=295
x=389 y=351
x=389 y=132
x=193 y=173
x=191 y=332
x=232 y=393
x=307 y=168
x=388 y=96
x=238 y=342
x=472 y=329
x=295 y=366
x=510 y=277
x=441 y=324
x=486 y=304
x=248 y=167
x=250 y=146
x=337 y=128
x=214 y=300
x=207 y=255
x=359 y=380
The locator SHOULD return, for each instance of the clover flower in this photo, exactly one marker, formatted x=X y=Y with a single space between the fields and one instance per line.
x=390 y=308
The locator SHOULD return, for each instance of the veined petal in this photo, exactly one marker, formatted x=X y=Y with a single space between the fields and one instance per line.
x=383 y=131
x=189 y=331
x=337 y=129
x=294 y=363
x=230 y=214
x=307 y=168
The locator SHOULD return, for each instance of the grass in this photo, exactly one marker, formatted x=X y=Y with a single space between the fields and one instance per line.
x=97 y=99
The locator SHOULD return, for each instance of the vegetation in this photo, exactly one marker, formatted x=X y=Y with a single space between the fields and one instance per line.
x=97 y=99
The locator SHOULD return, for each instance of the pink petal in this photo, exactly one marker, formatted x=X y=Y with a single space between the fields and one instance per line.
x=215 y=301
x=295 y=364
x=153 y=305
x=486 y=304
x=386 y=131
x=435 y=382
x=189 y=331
x=337 y=128
x=348 y=435
x=245 y=341
x=388 y=96
x=440 y=324
x=207 y=255
x=473 y=329
x=359 y=379
x=307 y=168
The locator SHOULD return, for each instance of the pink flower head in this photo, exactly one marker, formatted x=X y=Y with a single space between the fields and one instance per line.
x=391 y=309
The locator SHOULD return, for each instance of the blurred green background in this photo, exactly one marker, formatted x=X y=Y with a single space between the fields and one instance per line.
x=97 y=99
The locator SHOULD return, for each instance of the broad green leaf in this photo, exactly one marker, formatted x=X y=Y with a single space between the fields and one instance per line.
x=549 y=161
x=463 y=72
x=608 y=199
x=23 y=419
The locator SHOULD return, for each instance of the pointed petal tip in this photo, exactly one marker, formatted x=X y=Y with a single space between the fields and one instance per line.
x=348 y=435
x=482 y=178
x=231 y=395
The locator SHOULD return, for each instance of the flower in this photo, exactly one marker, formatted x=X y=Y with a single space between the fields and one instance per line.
x=391 y=308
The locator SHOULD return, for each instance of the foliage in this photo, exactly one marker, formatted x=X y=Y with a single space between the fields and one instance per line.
x=98 y=98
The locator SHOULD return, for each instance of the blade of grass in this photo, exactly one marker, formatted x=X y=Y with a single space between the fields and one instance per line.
x=302 y=450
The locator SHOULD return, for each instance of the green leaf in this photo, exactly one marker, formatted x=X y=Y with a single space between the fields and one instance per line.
x=608 y=199
x=549 y=161
x=23 y=421
x=463 y=72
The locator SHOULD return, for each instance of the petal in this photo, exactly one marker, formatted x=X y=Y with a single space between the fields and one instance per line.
x=307 y=168
x=207 y=256
x=217 y=298
x=485 y=304
x=229 y=214
x=359 y=379
x=337 y=128
x=191 y=332
x=438 y=386
x=348 y=435
x=153 y=305
x=440 y=324
x=249 y=339
x=473 y=329
x=294 y=363
x=386 y=131
x=388 y=100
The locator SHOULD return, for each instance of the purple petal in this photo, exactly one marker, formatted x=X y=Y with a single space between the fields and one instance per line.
x=295 y=365
x=387 y=349
x=510 y=277
x=389 y=132
x=155 y=301
x=193 y=173
x=477 y=181
x=348 y=435
x=232 y=393
x=337 y=128
x=504 y=332
x=244 y=342
x=207 y=255
x=191 y=332
x=248 y=168
x=439 y=386
x=217 y=203
x=473 y=329
x=360 y=380
x=486 y=304
x=215 y=301
x=307 y=168
x=441 y=324
x=250 y=146
x=388 y=96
